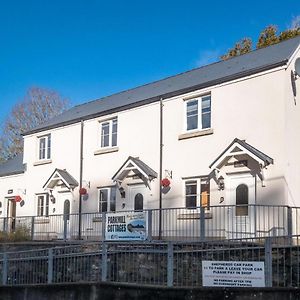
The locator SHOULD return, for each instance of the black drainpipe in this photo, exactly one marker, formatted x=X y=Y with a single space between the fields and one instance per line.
x=160 y=165
x=80 y=178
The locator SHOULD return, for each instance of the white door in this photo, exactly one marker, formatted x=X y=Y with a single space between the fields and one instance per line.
x=241 y=211
x=137 y=195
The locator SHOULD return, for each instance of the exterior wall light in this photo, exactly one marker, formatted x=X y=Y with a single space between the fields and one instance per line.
x=221 y=183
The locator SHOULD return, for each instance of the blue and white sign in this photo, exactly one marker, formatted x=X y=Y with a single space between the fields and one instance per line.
x=127 y=226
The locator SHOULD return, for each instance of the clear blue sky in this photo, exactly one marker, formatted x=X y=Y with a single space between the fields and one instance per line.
x=88 y=49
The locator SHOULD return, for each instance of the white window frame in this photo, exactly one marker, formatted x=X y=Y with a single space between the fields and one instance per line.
x=110 y=133
x=199 y=100
x=47 y=150
x=199 y=181
x=42 y=205
x=109 y=198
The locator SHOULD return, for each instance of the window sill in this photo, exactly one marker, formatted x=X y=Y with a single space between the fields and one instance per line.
x=41 y=220
x=193 y=216
x=42 y=162
x=97 y=219
x=193 y=134
x=106 y=150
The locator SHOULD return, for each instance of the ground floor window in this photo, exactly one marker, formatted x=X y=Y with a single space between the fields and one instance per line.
x=107 y=199
x=43 y=205
x=197 y=193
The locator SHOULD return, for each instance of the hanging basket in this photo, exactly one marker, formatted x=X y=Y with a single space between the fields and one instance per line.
x=82 y=191
x=18 y=198
x=165 y=182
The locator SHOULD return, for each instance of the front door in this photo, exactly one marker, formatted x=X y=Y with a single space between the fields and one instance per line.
x=137 y=194
x=241 y=210
x=11 y=214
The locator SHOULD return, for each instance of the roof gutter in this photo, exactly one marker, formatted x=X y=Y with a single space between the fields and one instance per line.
x=166 y=95
x=12 y=173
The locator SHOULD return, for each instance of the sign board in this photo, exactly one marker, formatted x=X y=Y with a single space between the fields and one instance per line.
x=127 y=226
x=233 y=273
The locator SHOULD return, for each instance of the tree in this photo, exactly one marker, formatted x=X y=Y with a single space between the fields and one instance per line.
x=241 y=47
x=38 y=106
x=267 y=37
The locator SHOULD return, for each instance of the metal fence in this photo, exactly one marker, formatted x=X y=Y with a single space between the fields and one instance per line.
x=174 y=224
x=158 y=264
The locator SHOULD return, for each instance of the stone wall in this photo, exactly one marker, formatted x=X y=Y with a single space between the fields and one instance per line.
x=122 y=292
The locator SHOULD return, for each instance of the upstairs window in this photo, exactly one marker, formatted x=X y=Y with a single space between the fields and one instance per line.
x=43 y=205
x=45 y=147
x=109 y=133
x=107 y=199
x=198 y=113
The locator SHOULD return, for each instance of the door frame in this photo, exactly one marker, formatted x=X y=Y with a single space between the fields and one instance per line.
x=131 y=191
x=233 y=221
x=11 y=219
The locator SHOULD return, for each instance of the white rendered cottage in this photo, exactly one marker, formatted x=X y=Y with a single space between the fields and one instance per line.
x=224 y=135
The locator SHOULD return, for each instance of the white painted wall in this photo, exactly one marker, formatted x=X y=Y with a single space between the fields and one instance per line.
x=259 y=109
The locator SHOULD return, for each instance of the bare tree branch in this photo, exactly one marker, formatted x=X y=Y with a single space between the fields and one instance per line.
x=38 y=106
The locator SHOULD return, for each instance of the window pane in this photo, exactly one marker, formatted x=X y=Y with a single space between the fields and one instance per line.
x=49 y=147
x=105 y=135
x=192 y=114
x=242 y=199
x=114 y=132
x=42 y=150
x=103 y=197
x=138 y=201
x=205 y=194
x=191 y=194
x=47 y=206
x=40 y=205
x=206 y=112
x=112 y=204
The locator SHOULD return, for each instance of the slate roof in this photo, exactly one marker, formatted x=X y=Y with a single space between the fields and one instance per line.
x=216 y=73
x=13 y=166
x=69 y=180
x=264 y=157
x=139 y=163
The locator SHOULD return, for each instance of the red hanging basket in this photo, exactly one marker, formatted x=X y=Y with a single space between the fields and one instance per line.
x=18 y=198
x=82 y=191
x=165 y=182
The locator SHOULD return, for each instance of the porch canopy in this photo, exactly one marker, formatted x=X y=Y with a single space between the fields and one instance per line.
x=60 y=178
x=240 y=148
x=134 y=166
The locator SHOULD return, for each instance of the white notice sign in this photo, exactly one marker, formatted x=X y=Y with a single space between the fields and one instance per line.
x=233 y=273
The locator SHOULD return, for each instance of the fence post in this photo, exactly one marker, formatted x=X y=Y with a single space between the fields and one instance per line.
x=4 y=269
x=149 y=230
x=65 y=221
x=268 y=262
x=32 y=228
x=202 y=223
x=103 y=226
x=5 y=225
x=170 y=274
x=50 y=265
x=104 y=262
x=289 y=222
